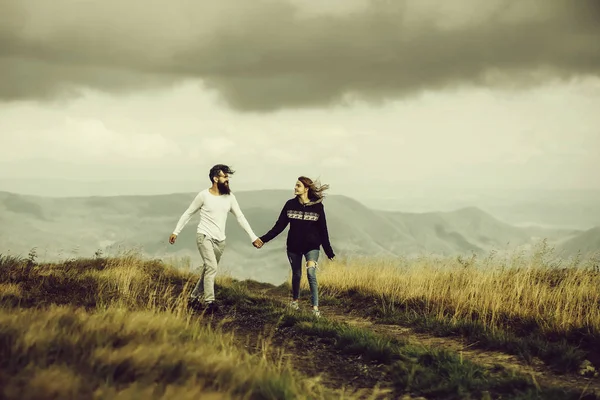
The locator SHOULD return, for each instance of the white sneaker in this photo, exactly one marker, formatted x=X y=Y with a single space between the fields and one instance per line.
x=316 y=313
x=294 y=305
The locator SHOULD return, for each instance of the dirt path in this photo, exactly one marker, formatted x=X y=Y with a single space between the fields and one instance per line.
x=346 y=374
x=485 y=358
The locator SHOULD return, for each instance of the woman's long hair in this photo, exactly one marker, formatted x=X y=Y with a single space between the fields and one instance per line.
x=315 y=189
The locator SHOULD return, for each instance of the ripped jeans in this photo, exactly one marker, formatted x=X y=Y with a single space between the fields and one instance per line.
x=295 y=260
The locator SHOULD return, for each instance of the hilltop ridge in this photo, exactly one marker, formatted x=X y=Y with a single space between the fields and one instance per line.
x=122 y=327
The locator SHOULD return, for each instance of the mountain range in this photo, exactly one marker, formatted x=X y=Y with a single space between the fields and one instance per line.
x=79 y=226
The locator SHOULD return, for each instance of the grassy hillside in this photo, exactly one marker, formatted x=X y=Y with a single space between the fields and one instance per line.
x=122 y=328
x=539 y=306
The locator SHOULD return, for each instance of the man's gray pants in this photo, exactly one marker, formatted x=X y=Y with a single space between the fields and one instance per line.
x=211 y=251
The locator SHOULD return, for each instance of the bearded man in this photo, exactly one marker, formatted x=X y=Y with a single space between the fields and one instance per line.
x=214 y=204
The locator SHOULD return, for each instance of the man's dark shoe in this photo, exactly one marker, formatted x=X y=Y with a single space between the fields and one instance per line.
x=194 y=302
x=211 y=307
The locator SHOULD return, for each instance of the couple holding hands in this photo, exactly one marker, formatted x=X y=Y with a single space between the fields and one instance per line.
x=308 y=232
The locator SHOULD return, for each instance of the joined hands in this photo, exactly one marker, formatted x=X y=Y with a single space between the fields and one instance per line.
x=258 y=243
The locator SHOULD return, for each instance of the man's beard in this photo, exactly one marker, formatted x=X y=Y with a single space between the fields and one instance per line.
x=223 y=188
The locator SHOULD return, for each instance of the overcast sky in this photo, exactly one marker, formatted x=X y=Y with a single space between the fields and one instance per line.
x=367 y=95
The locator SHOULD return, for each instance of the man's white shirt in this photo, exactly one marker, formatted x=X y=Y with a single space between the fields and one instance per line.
x=213 y=215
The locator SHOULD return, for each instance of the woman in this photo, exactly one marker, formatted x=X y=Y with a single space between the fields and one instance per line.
x=308 y=232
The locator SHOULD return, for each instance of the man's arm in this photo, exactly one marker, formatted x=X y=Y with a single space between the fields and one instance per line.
x=187 y=215
x=241 y=219
x=279 y=226
x=325 y=235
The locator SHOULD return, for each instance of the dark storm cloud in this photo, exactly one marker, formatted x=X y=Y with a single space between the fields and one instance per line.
x=270 y=55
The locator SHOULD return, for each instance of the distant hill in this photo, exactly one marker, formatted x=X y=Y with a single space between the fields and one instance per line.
x=587 y=242
x=78 y=226
x=464 y=230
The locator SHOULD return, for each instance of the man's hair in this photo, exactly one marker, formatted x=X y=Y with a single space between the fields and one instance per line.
x=214 y=171
x=315 y=189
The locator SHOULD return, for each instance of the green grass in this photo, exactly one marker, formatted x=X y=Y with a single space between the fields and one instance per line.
x=561 y=356
x=523 y=339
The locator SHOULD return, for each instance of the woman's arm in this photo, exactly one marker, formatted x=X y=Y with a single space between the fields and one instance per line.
x=325 y=235
x=279 y=226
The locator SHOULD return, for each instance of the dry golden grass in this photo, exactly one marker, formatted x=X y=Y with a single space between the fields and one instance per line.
x=130 y=281
x=69 y=353
x=10 y=289
x=494 y=291
x=120 y=328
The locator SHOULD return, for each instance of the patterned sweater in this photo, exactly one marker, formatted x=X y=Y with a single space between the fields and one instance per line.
x=308 y=227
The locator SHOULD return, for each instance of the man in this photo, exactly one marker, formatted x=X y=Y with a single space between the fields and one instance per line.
x=214 y=204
